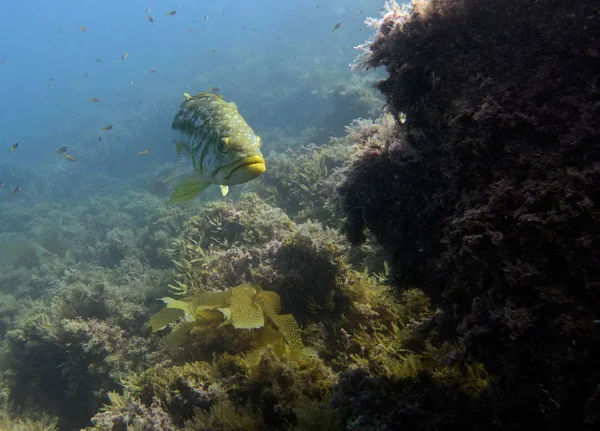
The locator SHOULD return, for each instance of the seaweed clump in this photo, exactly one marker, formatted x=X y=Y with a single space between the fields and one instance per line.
x=64 y=351
x=243 y=307
x=43 y=423
x=233 y=393
x=484 y=194
x=127 y=413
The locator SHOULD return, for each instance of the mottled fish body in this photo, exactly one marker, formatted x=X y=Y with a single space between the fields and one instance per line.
x=214 y=145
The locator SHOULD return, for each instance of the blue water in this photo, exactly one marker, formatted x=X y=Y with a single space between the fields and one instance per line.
x=265 y=51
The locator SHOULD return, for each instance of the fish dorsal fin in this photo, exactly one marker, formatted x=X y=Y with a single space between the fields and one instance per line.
x=187 y=96
x=188 y=188
x=224 y=190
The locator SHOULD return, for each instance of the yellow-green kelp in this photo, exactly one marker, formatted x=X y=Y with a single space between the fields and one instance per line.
x=243 y=307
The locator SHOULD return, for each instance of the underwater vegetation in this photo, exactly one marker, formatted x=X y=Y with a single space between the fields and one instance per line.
x=304 y=185
x=461 y=292
x=233 y=355
x=486 y=199
x=243 y=307
x=11 y=424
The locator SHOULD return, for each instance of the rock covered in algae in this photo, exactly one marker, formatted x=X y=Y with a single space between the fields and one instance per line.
x=485 y=195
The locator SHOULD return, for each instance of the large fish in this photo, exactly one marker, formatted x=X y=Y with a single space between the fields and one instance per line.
x=214 y=145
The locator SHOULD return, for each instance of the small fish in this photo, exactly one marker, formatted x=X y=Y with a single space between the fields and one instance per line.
x=16 y=190
x=99 y=138
x=61 y=150
x=69 y=158
x=98 y=60
x=205 y=17
x=86 y=74
x=214 y=145
x=4 y=61
x=50 y=79
x=124 y=56
x=131 y=82
x=148 y=10
x=335 y=27
x=171 y=13
x=214 y=89
x=152 y=71
x=1 y=185
x=82 y=28
x=109 y=127
x=93 y=99
x=149 y=18
x=143 y=152
x=13 y=147
x=212 y=50
x=188 y=29
x=51 y=86
x=359 y=11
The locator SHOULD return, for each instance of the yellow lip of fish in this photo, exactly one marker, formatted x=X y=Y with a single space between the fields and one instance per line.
x=248 y=168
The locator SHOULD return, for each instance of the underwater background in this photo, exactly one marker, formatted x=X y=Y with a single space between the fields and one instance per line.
x=421 y=252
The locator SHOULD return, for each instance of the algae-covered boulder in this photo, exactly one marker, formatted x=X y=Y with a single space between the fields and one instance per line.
x=485 y=195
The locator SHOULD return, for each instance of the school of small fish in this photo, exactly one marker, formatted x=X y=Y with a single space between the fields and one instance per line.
x=220 y=157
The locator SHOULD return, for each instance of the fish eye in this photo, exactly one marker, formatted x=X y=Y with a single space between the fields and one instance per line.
x=224 y=144
x=258 y=142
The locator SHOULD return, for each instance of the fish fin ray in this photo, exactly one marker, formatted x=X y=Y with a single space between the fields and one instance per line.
x=188 y=188
x=183 y=165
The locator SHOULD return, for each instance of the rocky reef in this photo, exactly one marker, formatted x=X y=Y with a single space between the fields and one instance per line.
x=82 y=352
x=484 y=192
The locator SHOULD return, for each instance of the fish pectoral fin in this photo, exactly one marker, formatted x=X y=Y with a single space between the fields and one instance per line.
x=224 y=190
x=183 y=166
x=188 y=188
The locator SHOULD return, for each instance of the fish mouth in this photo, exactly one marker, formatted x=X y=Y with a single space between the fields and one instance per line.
x=247 y=169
